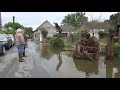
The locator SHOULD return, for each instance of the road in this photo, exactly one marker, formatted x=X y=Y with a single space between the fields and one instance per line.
x=31 y=68
x=40 y=62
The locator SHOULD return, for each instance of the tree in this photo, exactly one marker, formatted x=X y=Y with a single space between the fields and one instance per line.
x=10 y=31
x=101 y=28
x=28 y=31
x=96 y=25
x=106 y=25
x=75 y=19
x=10 y=25
x=82 y=33
x=44 y=33
x=113 y=19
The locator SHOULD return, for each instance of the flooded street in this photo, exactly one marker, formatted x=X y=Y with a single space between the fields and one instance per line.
x=44 y=62
x=48 y=44
x=67 y=67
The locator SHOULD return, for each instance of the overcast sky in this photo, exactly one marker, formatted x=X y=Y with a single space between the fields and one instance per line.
x=34 y=19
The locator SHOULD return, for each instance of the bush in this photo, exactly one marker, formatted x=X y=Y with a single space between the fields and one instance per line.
x=117 y=49
x=83 y=34
x=56 y=35
x=102 y=34
x=67 y=45
x=56 y=42
x=94 y=39
x=44 y=33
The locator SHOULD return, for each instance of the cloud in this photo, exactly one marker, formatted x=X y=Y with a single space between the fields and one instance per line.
x=34 y=19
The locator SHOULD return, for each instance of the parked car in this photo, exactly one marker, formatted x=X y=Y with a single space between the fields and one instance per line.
x=12 y=37
x=6 y=41
x=2 y=49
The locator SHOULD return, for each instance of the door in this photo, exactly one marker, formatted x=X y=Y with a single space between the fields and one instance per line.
x=40 y=37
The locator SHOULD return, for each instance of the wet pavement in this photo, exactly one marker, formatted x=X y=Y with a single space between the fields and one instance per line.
x=11 y=68
x=43 y=62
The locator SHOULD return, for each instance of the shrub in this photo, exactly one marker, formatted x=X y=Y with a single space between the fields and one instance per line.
x=102 y=34
x=56 y=42
x=94 y=39
x=117 y=49
x=44 y=33
x=56 y=35
x=67 y=45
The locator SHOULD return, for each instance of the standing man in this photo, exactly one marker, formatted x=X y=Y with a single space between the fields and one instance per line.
x=19 y=40
x=25 y=38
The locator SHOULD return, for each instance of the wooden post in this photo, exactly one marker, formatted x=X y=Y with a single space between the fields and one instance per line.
x=110 y=47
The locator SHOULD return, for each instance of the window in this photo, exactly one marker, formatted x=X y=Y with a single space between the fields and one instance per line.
x=48 y=27
x=35 y=34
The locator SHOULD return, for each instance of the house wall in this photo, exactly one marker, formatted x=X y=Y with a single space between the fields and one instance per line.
x=46 y=25
x=96 y=32
x=50 y=28
x=36 y=36
x=51 y=31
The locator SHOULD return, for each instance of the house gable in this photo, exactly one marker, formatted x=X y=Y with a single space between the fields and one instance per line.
x=48 y=26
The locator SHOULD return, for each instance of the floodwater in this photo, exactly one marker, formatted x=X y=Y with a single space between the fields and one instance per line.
x=62 y=65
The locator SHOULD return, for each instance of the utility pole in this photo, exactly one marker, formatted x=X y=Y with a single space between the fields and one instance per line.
x=14 y=24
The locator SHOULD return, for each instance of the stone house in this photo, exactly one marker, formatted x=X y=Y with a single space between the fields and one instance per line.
x=67 y=30
x=47 y=26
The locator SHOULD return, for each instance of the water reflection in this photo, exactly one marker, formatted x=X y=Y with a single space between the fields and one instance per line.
x=88 y=67
x=58 y=52
x=113 y=68
x=45 y=51
x=68 y=53
x=98 y=69
x=101 y=67
x=59 y=55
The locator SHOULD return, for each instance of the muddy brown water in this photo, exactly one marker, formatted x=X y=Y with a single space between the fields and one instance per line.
x=64 y=66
